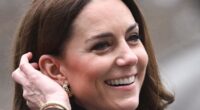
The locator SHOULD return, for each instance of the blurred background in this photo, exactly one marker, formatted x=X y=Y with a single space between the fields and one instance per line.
x=175 y=30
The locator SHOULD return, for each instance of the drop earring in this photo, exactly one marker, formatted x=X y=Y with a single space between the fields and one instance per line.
x=67 y=88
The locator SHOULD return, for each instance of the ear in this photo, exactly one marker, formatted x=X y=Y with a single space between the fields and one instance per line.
x=50 y=66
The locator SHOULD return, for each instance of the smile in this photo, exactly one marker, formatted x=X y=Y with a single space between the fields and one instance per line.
x=121 y=81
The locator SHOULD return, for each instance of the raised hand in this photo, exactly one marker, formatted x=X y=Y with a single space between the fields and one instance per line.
x=38 y=88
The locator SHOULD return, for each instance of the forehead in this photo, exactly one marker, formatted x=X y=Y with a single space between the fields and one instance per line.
x=102 y=16
x=103 y=10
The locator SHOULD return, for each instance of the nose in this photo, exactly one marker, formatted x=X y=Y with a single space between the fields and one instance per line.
x=127 y=56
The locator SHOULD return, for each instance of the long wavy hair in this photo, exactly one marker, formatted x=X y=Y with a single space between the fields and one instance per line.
x=46 y=28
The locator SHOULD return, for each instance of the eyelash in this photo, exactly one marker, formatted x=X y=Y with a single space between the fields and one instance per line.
x=133 y=38
x=104 y=45
x=100 y=46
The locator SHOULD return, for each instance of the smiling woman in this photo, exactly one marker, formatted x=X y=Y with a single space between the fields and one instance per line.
x=102 y=58
x=117 y=60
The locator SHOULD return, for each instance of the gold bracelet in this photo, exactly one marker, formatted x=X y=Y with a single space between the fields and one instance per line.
x=53 y=105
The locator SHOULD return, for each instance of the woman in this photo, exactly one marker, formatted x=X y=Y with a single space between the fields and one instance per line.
x=98 y=50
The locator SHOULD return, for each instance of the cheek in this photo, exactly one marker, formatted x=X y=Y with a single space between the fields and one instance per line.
x=87 y=69
x=142 y=58
x=81 y=76
x=86 y=76
x=142 y=64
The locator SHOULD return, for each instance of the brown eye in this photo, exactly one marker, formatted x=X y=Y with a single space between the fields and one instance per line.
x=133 y=38
x=101 y=46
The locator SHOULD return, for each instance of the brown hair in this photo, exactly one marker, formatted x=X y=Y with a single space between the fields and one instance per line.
x=153 y=95
x=47 y=26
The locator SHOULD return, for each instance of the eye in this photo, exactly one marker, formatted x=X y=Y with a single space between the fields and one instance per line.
x=100 y=46
x=133 y=38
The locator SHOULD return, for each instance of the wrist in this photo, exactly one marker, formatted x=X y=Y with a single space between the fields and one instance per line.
x=54 y=106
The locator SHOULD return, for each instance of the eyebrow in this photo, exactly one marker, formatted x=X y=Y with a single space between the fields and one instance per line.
x=132 y=27
x=102 y=35
x=108 y=34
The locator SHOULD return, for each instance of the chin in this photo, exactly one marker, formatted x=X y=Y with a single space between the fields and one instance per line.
x=128 y=104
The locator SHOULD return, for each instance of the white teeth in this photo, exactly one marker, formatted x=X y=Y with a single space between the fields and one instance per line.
x=121 y=81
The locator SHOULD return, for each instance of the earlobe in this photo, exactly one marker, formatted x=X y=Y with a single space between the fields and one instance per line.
x=50 y=66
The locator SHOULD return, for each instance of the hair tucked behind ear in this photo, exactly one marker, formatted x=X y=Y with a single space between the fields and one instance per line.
x=45 y=29
x=47 y=26
x=153 y=95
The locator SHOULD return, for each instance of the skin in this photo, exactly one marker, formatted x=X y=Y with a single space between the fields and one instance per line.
x=105 y=46
x=34 y=83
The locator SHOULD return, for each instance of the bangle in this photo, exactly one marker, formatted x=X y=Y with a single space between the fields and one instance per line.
x=54 y=105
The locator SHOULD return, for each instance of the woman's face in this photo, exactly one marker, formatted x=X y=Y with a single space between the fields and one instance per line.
x=105 y=62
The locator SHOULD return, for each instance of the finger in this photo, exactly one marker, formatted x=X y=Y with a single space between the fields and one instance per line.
x=30 y=72
x=28 y=68
x=19 y=77
x=25 y=58
x=35 y=65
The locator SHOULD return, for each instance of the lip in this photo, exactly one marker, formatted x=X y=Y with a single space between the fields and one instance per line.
x=126 y=76
x=127 y=88
x=120 y=77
